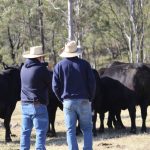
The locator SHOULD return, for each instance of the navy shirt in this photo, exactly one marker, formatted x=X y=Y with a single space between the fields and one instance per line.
x=35 y=81
x=73 y=79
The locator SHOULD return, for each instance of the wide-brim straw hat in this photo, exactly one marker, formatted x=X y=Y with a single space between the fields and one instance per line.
x=71 y=50
x=34 y=52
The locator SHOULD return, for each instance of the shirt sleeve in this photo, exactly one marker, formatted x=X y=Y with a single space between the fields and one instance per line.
x=56 y=84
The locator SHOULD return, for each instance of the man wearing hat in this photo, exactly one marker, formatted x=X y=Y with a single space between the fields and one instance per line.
x=35 y=82
x=74 y=84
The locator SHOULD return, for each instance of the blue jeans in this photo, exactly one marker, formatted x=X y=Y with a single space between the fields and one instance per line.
x=34 y=116
x=78 y=110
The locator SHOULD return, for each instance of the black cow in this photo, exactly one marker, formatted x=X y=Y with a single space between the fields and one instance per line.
x=95 y=105
x=115 y=97
x=10 y=93
x=113 y=119
x=10 y=84
x=54 y=103
x=134 y=80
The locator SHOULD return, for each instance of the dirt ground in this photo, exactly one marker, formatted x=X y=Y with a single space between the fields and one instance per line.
x=110 y=140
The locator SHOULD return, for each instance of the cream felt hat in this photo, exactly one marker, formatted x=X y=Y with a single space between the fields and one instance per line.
x=34 y=52
x=71 y=50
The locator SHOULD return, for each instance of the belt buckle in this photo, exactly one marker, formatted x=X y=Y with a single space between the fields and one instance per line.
x=36 y=102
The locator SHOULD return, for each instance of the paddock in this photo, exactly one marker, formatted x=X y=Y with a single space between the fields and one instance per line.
x=110 y=140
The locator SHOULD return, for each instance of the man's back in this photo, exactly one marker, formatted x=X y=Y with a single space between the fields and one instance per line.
x=76 y=78
x=35 y=81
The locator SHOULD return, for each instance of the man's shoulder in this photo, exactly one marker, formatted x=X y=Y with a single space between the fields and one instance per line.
x=66 y=61
x=61 y=62
x=84 y=61
x=41 y=68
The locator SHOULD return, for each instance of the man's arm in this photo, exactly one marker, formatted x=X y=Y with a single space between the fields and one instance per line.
x=91 y=83
x=56 y=84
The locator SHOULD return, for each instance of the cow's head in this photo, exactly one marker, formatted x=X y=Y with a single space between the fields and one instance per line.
x=142 y=81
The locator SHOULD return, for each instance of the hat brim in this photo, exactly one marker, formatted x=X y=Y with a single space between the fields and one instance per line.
x=68 y=55
x=32 y=56
x=28 y=55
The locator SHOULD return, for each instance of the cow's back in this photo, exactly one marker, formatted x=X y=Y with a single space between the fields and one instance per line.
x=124 y=73
x=136 y=77
x=10 y=85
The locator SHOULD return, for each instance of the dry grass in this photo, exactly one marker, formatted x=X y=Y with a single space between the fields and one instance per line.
x=110 y=140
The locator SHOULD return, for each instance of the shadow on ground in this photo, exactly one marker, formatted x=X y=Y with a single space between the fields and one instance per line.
x=108 y=134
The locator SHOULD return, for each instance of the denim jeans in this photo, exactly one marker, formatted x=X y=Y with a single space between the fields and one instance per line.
x=78 y=110
x=34 y=116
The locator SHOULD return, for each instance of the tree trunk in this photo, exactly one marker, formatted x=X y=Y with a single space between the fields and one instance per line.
x=136 y=18
x=30 y=29
x=40 y=3
x=94 y=55
x=142 y=31
x=77 y=22
x=70 y=20
x=53 y=49
x=11 y=45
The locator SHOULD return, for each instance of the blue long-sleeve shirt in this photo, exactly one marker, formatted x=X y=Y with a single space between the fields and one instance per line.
x=73 y=79
x=35 y=81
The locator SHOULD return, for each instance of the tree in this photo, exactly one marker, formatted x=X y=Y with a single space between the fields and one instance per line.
x=70 y=20
x=132 y=26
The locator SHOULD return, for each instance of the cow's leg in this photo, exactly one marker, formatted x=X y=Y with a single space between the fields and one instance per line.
x=101 y=129
x=51 y=129
x=94 y=118
x=7 y=120
x=144 y=115
x=113 y=117
x=110 y=119
x=7 y=129
x=78 y=129
x=132 y=113
x=118 y=117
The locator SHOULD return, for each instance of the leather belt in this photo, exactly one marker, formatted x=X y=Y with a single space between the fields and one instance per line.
x=31 y=102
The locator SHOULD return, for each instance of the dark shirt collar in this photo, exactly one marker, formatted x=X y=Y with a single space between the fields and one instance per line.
x=31 y=62
x=72 y=58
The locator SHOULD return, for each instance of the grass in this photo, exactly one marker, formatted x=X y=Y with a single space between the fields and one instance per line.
x=110 y=140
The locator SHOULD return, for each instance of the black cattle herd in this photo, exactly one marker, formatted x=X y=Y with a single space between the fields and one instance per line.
x=119 y=86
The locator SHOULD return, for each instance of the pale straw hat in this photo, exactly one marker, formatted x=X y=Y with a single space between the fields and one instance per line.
x=34 y=52
x=71 y=50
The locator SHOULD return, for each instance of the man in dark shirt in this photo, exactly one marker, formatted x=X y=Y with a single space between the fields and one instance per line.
x=74 y=84
x=35 y=82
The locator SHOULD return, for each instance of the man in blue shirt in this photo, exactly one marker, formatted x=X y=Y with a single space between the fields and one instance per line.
x=35 y=83
x=74 y=84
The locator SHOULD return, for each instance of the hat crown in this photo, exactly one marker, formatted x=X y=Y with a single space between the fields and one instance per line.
x=70 y=47
x=36 y=50
x=71 y=50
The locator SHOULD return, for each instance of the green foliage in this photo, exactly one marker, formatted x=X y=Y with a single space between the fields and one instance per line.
x=100 y=24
